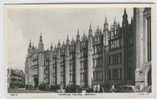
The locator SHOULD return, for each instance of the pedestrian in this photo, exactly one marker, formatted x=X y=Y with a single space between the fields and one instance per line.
x=113 y=89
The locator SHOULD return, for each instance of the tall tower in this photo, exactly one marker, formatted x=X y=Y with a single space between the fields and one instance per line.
x=125 y=44
x=58 y=63
x=77 y=57
x=28 y=65
x=90 y=58
x=67 y=74
x=105 y=49
x=41 y=61
x=125 y=19
x=105 y=32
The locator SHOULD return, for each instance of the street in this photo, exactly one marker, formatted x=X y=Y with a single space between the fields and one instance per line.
x=23 y=90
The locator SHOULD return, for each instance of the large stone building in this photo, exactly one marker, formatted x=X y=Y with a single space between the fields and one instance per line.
x=103 y=57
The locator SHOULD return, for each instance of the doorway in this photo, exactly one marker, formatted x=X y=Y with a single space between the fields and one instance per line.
x=35 y=81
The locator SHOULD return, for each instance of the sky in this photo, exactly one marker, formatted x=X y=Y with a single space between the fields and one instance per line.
x=26 y=23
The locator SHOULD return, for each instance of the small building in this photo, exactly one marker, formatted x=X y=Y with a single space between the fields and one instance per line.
x=16 y=78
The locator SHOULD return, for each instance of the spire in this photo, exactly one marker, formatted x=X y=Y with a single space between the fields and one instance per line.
x=41 y=37
x=90 y=27
x=67 y=39
x=125 y=18
x=125 y=11
x=90 y=30
x=105 y=25
x=125 y=14
x=115 y=24
x=41 y=45
x=78 y=35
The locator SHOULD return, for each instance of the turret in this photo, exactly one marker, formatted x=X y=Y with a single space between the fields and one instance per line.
x=90 y=58
x=67 y=41
x=78 y=36
x=59 y=44
x=77 y=58
x=97 y=31
x=90 y=31
x=41 y=45
x=114 y=25
x=105 y=32
x=105 y=25
x=125 y=19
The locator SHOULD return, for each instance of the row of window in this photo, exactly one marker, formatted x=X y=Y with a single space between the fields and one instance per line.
x=98 y=75
x=114 y=44
x=83 y=77
x=115 y=59
x=113 y=74
x=97 y=62
x=114 y=34
x=71 y=77
x=98 y=39
x=97 y=50
x=83 y=54
x=84 y=45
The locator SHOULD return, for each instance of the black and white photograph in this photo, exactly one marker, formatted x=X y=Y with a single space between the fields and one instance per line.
x=78 y=48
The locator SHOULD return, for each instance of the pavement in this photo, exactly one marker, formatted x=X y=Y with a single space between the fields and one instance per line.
x=23 y=90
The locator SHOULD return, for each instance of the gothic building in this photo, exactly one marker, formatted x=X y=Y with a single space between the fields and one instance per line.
x=104 y=56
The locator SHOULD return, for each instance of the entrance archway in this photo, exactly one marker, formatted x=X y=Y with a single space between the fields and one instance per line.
x=35 y=81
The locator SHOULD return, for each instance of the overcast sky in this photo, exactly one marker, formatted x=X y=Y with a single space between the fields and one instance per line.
x=26 y=23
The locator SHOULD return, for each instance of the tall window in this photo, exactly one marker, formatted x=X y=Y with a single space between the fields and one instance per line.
x=109 y=74
x=115 y=74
